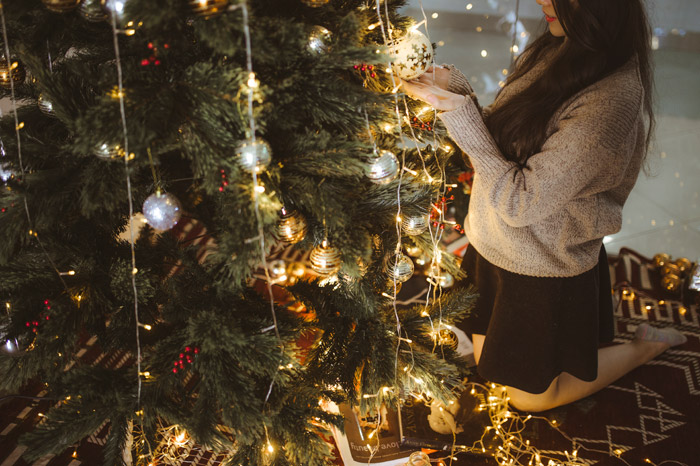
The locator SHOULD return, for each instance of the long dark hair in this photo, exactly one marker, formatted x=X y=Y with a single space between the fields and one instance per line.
x=601 y=36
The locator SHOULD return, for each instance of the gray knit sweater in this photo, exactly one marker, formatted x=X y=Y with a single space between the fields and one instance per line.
x=548 y=220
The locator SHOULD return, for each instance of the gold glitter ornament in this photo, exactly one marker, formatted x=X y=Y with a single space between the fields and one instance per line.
x=670 y=269
x=60 y=6
x=208 y=8
x=315 y=3
x=325 y=259
x=661 y=259
x=671 y=282
x=16 y=74
x=400 y=268
x=278 y=271
x=291 y=227
x=683 y=264
x=295 y=272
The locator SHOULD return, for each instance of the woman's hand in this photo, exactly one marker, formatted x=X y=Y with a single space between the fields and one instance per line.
x=435 y=76
x=434 y=95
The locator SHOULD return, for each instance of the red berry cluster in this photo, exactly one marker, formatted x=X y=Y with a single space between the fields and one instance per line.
x=153 y=58
x=4 y=209
x=368 y=69
x=441 y=206
x=34 y=324
x=224 y=181
x=418 y=123
x=186 y=357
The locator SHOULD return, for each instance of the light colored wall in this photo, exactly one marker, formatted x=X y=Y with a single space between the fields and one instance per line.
x=683 y=15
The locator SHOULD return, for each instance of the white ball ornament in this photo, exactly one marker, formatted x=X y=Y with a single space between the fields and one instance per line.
x=411 y=55
x=162 y=211
x=254 y=155
x=383 y=168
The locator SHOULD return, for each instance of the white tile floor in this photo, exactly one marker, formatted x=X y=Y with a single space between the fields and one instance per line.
x=663 y=211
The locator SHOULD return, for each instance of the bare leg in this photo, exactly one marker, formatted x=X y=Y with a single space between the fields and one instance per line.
x=613 y=363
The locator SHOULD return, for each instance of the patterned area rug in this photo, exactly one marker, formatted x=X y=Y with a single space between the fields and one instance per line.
x=651 y=414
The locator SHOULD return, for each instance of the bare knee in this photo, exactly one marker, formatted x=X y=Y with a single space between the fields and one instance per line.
x=535 y=402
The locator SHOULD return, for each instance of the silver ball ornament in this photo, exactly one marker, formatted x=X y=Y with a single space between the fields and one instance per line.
x=325 y=259
x=291 y=226
x=108 y=151
x=254 y=156
x=415 y=225
x=162 y=211
x=6 y=172
x=400 y=268
x=45 y=106
x=411 y=55
x=319 y=39
x=11 y=346
x=383 y=168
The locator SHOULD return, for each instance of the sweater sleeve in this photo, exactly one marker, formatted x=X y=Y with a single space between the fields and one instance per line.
x=458 y=82
x=586 y=153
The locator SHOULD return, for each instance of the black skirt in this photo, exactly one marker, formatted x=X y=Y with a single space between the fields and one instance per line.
x=535 y=327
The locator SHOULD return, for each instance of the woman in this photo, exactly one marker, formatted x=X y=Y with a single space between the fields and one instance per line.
x=555 y=158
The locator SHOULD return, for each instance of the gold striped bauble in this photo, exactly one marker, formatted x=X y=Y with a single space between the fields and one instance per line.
x=291 y=226
x=208 y=8
x=17 y=73
x=325 y=259
x=315 y=3
x=60 y=6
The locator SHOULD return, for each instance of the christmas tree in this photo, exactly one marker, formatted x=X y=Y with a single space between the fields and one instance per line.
x=264 y=123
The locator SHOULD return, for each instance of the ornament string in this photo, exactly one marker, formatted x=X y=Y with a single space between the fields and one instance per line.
x=134 y=270
x=8 y=60
x=515 y=32
x=251 y=85
x=397 y=252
